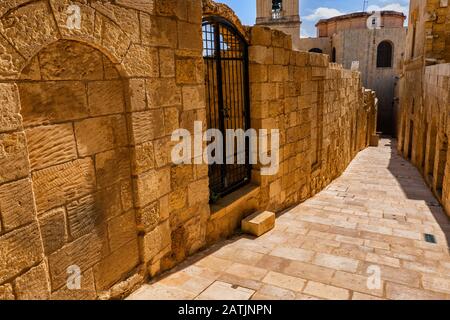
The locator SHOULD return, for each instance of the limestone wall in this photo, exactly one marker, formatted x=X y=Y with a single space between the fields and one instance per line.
x=429 y=26
x=85 y=122
x=423 y=137
x=319 y=109
x=86 y=114
x=424 y=95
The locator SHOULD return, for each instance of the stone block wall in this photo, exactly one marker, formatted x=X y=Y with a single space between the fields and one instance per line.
x=423 y=137
x=428 y=25
x=86 y=117
x=424 y=95
x=86 y=114
x=319 y=109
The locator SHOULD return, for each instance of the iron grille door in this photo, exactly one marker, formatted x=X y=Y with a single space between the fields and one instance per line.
x=225 y=55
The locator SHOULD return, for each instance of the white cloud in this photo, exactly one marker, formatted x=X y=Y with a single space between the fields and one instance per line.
x=306 y=34
x=323 y=13
x=392 y=6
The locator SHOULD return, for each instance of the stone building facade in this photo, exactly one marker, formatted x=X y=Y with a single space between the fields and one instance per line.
x=283 y=15
x=363 y=37
x=86 y=116
x=424 y=91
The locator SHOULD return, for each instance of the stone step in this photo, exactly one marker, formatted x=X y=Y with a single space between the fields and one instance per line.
x=259 y=223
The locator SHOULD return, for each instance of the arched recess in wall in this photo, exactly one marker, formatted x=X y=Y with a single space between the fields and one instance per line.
x=316 y=50
x=74 y=117
x=385 y=53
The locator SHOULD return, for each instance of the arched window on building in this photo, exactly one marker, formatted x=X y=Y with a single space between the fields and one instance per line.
x=333 y=55
x=277 y=8
x=316 y=50
x=384 y=55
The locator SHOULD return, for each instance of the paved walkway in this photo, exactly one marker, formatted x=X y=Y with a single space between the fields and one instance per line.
x=371 y=219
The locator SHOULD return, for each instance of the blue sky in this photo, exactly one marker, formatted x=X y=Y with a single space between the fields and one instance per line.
x=313 y=10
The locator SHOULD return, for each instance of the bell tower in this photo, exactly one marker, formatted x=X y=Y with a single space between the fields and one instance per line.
x=282 y=15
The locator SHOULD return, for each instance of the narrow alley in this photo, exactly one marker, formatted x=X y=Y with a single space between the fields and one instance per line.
x=371 y=221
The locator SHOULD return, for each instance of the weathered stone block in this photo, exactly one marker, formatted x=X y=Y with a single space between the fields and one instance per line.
x=157 y=240
x=189 y=71
x=136 y=91
x=51 y=145
x=16 y=204
x=158 y=31
x=167 y=63
x=69 y=60
x=171 y=120
x=128 y=20
x=19 y=249
x=259 y=223
x=261 y=36
x=6 y=292
x=50 y=102
x=33 y=27
x=83 y=216
x=198 y=192
x=114 y=39
x=162 y=92
x=193 y=97
x=177 y=199
x=144 y=158
x=261 y=54
x=105 y=97
x=112 y=166
x=10 y=118
x=141 y=61
x=126 y=195
x=116 y=266
x=11 y=62
x=121 y=230
x=13 y=157
x=163 y=151
x=110 y=132
x=86 y=292
x=181 y=176
x=149 y=216
x=108 y=201
x=53 y=230
x=189 y=36
x=142 y=5
x=147 y=125
x=84 y=252
x=152 y=185
x=33 y=285
x=374 y=140
x=61 y=184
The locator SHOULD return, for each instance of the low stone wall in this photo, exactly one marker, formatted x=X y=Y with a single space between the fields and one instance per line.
x=424 y=130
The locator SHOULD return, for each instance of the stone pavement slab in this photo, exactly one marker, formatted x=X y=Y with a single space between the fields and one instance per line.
x=369 y=222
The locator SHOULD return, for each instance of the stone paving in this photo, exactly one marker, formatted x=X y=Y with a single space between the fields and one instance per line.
x=374 y=216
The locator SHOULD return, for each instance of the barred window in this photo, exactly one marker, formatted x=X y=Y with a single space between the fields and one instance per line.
x=384 y=55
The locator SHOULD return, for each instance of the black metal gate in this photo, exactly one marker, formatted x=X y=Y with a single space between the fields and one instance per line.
x=225 y=54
